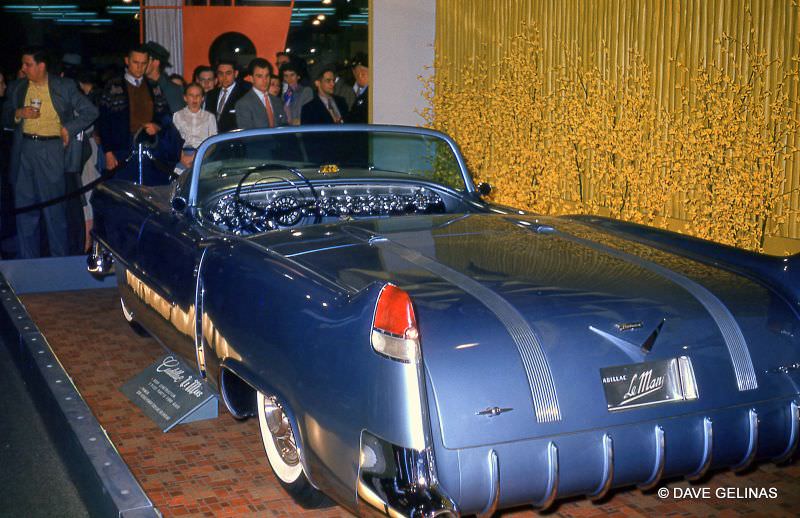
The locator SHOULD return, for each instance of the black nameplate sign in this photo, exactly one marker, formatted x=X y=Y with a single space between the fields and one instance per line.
x=171 y=392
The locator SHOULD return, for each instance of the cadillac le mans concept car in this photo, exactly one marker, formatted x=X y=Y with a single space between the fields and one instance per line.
x=410 y=349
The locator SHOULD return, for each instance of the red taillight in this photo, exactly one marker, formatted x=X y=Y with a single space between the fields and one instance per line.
x=394 y=331
x=394 y=313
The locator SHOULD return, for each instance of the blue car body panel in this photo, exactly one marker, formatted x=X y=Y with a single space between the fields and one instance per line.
x=516 y=312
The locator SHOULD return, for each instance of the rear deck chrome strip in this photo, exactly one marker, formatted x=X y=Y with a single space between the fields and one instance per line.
x=528 y=344
x=794 y=421
x=658 y=468
x=608 y=469
x=731 y=333
x=494 y=484
x=551 y=489
x=752 y=444
x=708 y=451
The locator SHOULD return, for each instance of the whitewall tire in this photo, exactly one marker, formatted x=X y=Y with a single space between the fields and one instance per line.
x=278 y=439
x=283 y=454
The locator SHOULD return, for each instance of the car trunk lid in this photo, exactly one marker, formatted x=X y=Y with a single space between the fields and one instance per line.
x=522 y=319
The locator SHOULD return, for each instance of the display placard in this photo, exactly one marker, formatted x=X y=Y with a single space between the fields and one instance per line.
x=171 y=392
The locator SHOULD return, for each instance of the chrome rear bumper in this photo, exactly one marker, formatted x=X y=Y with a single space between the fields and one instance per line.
x=399 y=482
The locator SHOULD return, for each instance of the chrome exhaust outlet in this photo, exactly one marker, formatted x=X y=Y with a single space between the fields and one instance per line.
x=99 y=262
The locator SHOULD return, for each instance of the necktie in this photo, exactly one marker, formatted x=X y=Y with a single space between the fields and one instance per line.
x=136 y=82
x=222 y=99
x=332 y=111
x=270 y=115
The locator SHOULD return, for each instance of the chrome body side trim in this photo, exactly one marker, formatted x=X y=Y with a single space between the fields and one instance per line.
x=494 y=484
x=608 y=470
x=658 y=468
x=794 y=423
x=551 y=490
x=752 y=445
x=708 y=451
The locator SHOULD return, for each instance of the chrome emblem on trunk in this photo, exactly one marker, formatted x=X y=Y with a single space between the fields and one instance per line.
x=634 y=351
x=493 y=411
x=628 y=326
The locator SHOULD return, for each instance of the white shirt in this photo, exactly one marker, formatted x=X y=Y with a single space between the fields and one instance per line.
x=194 y=127
x=261 y=95
x=132 y=80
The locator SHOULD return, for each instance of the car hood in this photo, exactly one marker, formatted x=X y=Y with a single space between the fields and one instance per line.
x=518 y=315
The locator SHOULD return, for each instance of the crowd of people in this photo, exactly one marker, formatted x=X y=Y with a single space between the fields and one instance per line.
x=63 y=128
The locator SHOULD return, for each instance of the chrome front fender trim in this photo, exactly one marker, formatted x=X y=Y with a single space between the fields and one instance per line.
x=608 y=470
x=708 y=451
x=658 y=468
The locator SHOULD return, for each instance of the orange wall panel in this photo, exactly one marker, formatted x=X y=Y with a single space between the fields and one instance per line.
x=267 y=28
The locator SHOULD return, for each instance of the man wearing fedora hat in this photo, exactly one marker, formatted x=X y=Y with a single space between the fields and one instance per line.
x=159 y=61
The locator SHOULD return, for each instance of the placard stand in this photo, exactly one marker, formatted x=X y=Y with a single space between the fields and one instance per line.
x=171 y=392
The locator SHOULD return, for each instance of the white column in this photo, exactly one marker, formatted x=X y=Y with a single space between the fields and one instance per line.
x=401 y=46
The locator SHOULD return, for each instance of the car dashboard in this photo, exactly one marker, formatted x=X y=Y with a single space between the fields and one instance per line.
x=257 y=209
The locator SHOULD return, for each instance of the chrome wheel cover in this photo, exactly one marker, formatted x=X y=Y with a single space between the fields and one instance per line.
x=281 y=431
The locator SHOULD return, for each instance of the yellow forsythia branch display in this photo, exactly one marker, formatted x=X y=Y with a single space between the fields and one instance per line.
x=569 y=139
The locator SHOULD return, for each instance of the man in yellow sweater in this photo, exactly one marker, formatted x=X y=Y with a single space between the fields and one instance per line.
x=47 y=113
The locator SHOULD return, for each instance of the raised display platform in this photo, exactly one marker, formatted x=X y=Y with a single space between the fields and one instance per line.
x=217 y=467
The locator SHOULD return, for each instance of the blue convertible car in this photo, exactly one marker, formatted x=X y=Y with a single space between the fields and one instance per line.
x=412 y=350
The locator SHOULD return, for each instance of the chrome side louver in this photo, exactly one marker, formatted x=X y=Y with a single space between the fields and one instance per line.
x=608 y=470
x=752 y=445
x=551 y=490
x=494 y=484
x=658 y=468
x=794 y=421
x=708 y=451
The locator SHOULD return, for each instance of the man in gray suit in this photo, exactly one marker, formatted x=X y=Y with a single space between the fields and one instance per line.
x=46 y=112
x=257 y=108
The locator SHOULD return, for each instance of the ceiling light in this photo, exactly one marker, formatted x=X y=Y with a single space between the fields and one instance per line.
x=320 y=17
x=327 y=2
x=313 y=50
x=315 y=22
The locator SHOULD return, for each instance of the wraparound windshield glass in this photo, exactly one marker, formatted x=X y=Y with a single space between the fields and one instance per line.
x=350 y=155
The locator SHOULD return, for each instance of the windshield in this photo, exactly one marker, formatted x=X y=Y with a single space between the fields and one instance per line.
x=349 y=155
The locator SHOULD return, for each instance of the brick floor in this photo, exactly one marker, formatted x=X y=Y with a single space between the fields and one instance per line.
x=218 y=467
